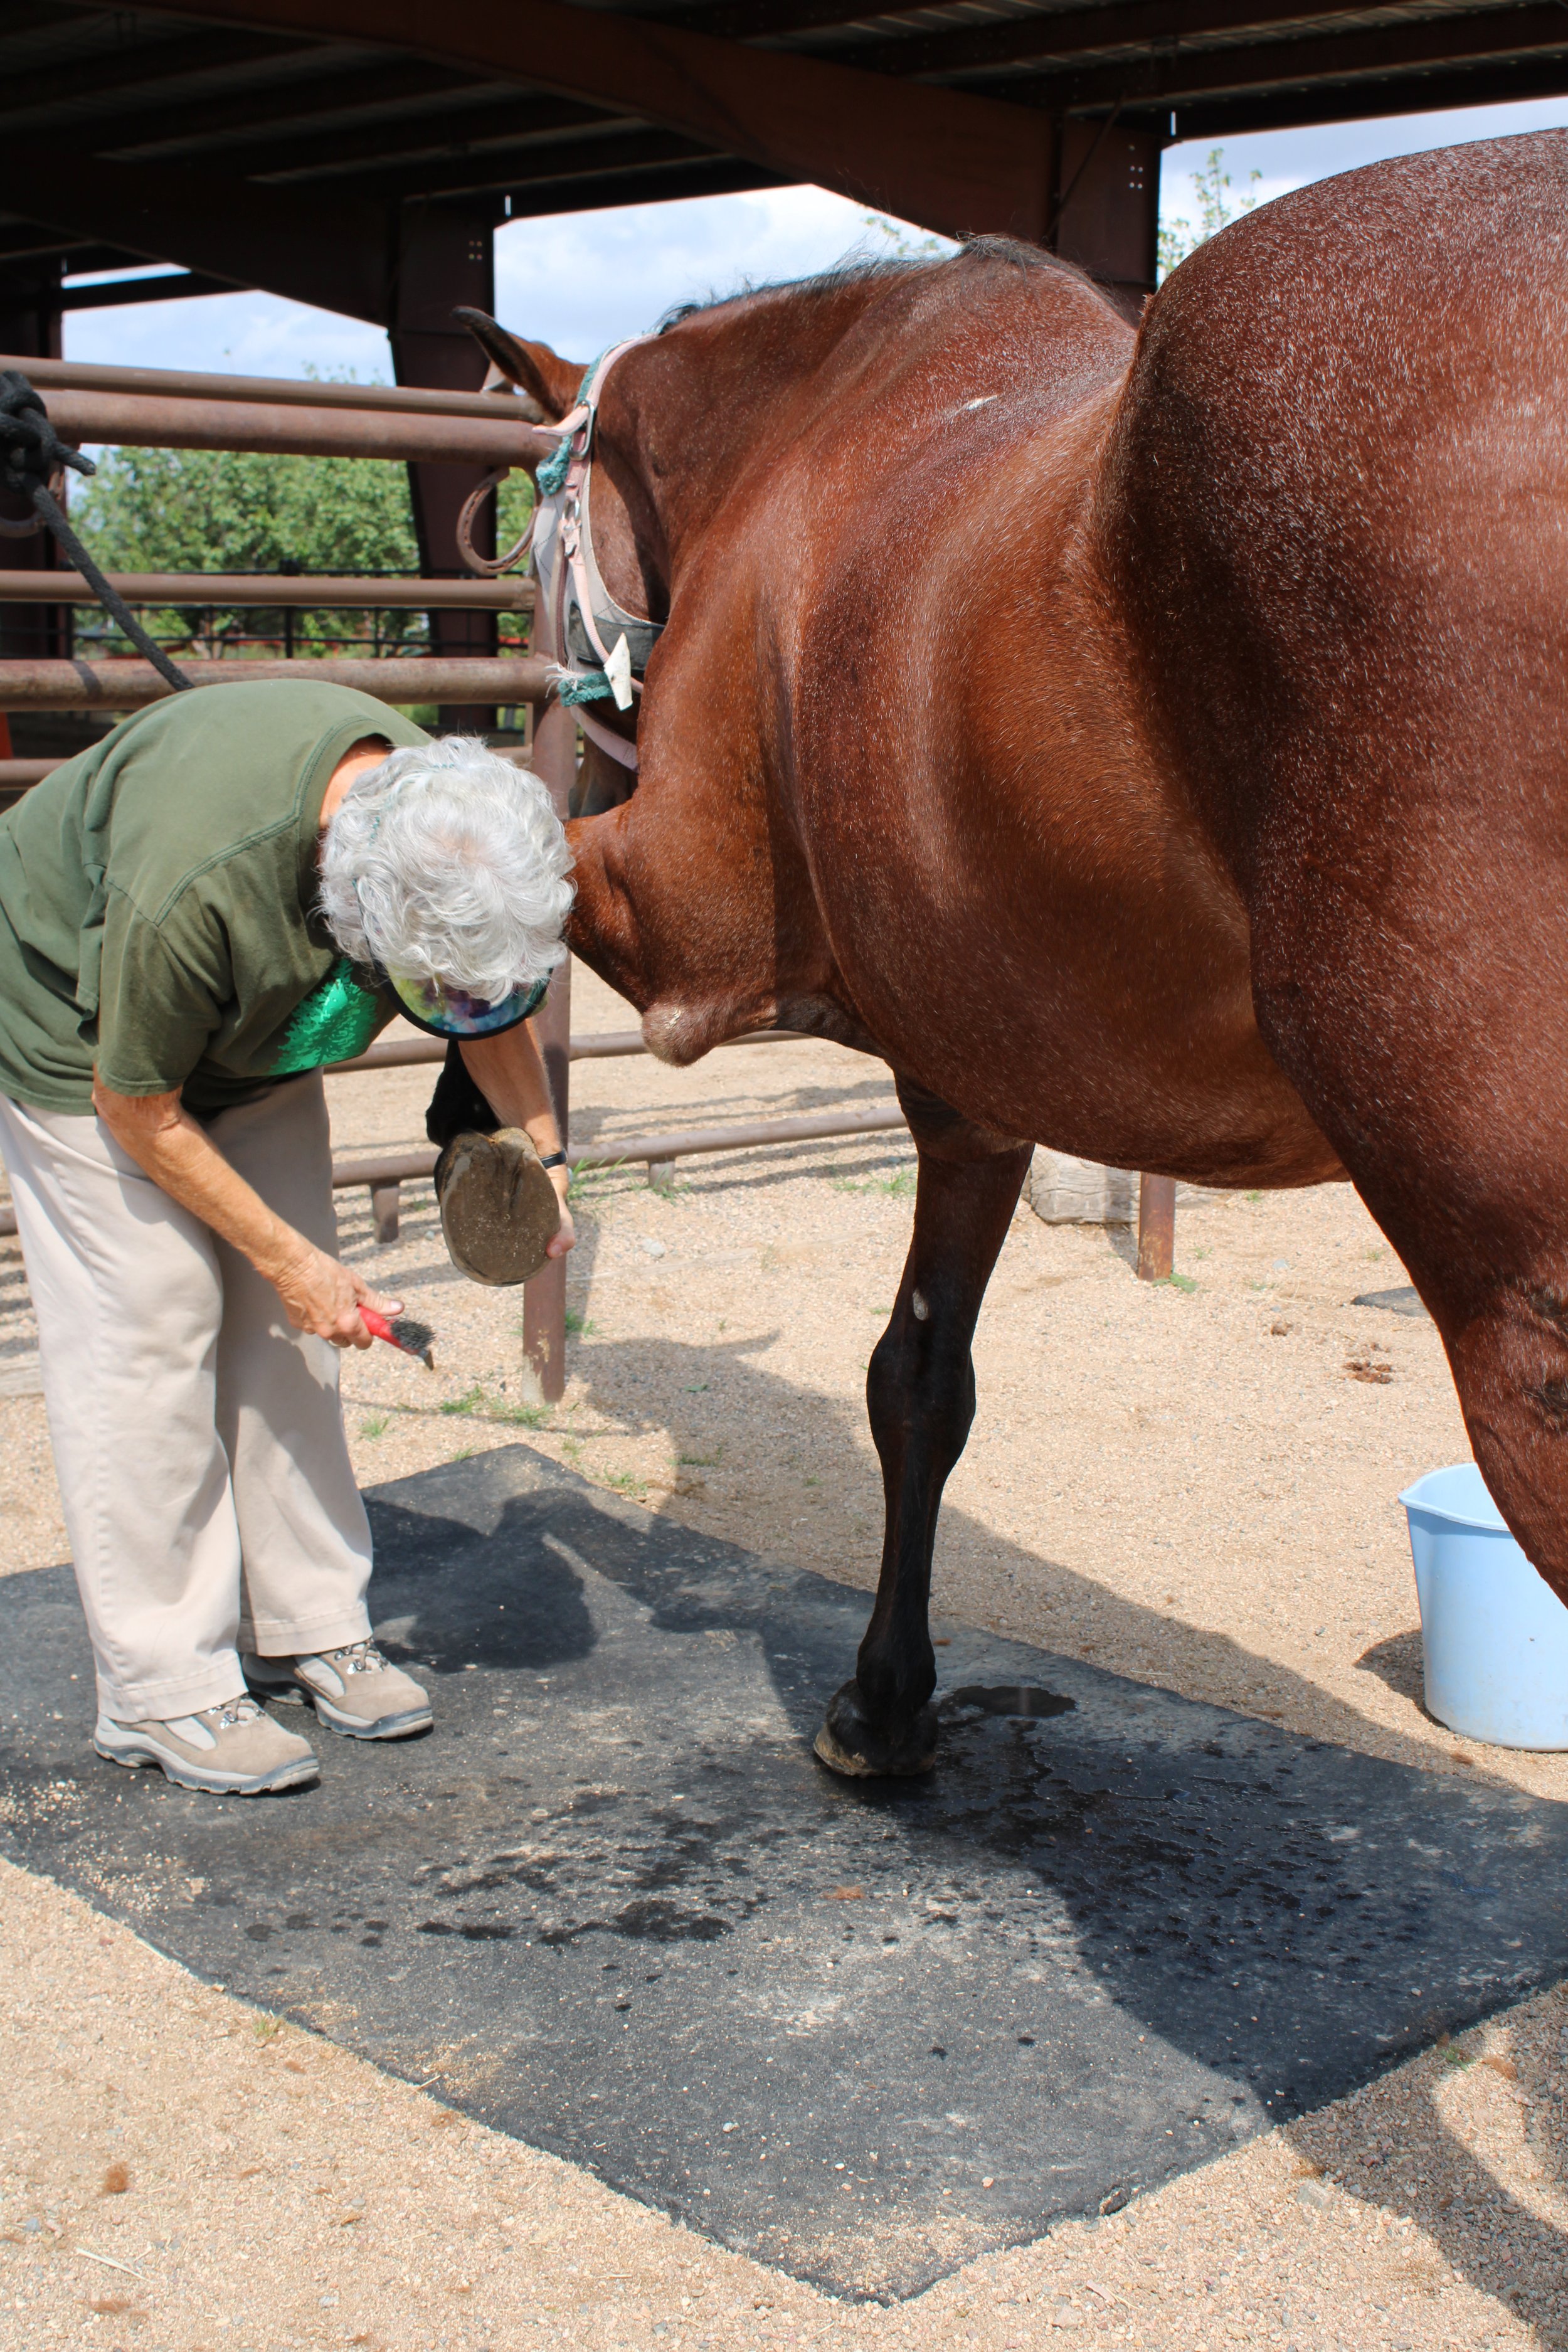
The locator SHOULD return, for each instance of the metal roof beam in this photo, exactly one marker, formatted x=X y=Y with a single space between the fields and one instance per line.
x=136 y=65
x=20 y=16
x=950 y=160
x=143 y=289
x=271 y=110
x=719 y=176
x=289 y=243
x=1160 y=79
x=1021 y=41
x=502 y=169
x=1411 y=93
x=407 y=137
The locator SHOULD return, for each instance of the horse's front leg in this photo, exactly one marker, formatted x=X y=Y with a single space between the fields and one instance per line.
x=920 y=1392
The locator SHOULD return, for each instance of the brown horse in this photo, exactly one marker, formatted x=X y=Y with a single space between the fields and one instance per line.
x=1151 y=744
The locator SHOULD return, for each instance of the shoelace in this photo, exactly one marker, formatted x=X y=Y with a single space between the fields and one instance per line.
x=359 y=1658
x=234 y=1710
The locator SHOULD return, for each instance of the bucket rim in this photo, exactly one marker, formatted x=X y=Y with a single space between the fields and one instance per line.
x=1415 y=1500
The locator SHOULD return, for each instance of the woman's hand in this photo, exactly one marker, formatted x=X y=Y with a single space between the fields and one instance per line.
x=320 y=1296
x=565 y=1238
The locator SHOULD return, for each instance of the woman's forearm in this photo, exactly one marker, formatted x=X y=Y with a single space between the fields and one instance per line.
x=182 y=1159
x=509 y=1073
x=318 y=1294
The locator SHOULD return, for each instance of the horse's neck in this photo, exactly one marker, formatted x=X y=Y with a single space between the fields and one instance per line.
x=688 y=414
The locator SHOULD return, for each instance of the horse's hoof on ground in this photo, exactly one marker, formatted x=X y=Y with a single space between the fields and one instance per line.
x=850 y=1744
x=499 y=1210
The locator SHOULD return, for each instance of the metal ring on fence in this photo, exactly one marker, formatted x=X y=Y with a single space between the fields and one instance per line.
x=489 y=567
x=34 y=522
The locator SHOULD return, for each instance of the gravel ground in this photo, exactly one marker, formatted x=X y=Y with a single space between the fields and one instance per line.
x=1192 y=1484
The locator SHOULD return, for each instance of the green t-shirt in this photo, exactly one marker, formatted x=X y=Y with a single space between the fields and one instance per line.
x=157 y=898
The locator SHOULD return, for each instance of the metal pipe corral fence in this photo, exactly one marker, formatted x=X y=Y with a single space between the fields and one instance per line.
x=265 y=390
x=129 y=420
x=419 y=677
x=510 y=594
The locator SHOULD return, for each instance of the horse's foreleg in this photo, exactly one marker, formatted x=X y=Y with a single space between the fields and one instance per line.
x=919 y=1390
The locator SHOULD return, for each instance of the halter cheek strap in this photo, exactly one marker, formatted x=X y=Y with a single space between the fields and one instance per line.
x=564 y=477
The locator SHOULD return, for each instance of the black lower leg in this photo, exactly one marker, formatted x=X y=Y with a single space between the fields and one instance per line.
x=456 y=1107
x=919 y=1390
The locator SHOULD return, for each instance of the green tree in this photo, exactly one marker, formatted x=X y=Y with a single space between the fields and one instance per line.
x=1215 y=208
x=231 y=511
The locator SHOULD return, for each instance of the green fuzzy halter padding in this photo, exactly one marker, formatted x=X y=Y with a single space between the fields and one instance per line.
x=334 y=1024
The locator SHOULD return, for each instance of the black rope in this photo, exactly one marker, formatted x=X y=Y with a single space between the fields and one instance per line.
x=31 y=451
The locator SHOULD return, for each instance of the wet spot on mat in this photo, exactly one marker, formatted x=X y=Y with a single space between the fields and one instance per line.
x=1023 y=1701
x=476 y=1931
x=655 y=1920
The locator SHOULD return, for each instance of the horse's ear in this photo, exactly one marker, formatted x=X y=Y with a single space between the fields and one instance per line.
x=547 y=383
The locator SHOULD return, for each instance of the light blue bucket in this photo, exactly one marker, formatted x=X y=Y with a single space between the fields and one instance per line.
x=1495 y=1635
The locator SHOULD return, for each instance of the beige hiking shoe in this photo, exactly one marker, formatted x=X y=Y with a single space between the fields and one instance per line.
x=499 y=1212
x=353 y=1690
x=233 y=1750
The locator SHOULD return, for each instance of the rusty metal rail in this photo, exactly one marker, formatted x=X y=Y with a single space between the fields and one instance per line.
x=131 y=420
x=608 y=1044
x=379 y=1169
x=384 y=1172
x=180 y=384
x=128 y=685
x=511 y=595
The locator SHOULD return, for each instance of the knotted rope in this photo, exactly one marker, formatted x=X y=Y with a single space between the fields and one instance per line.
x=31 y=454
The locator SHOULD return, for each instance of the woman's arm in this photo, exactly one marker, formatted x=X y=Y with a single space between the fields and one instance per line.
x=318 y=1294
x=510 y=1074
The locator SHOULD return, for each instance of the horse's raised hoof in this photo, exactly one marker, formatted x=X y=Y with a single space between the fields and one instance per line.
x=850 y=1743
x=499 y=1212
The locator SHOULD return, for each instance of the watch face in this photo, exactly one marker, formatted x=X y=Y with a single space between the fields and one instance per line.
x=449 y=1012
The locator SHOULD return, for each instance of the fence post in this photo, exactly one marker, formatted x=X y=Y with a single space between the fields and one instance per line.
x=1156 y=1227
x=544 y=1299
x=386 y=1207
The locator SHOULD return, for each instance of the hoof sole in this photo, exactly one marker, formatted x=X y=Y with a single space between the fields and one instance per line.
x=851 y=1745
x=499 y=1208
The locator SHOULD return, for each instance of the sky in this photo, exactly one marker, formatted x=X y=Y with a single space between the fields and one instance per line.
x=583 y=280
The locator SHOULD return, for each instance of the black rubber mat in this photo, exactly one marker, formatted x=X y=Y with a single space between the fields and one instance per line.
x=612 y=1905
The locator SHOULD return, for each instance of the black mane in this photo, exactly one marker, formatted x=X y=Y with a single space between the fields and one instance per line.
x=859 y=267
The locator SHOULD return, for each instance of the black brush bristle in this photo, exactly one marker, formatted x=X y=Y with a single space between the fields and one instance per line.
x=418 y=1337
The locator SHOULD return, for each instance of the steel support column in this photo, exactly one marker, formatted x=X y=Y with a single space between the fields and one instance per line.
x=445 y=254
x=30 y=327
x=1107 y=208
x=544 y=1299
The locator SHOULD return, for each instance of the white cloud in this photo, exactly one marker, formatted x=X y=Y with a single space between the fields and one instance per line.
x=581 y=280
x=1289 y=159
x=237 y=334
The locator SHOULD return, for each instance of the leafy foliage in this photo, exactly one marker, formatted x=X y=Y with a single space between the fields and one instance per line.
x=1216 y=207
x=232 y=510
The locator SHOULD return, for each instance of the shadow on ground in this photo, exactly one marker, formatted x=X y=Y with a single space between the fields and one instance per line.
x=614 y=1907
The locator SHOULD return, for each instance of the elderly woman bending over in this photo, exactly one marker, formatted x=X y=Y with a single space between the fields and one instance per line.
x=233 y=888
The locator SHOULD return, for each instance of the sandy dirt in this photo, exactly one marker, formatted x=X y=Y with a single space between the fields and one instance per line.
x=1193 y=1484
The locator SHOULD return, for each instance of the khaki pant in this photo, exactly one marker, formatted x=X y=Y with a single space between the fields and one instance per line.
x=197 y=1436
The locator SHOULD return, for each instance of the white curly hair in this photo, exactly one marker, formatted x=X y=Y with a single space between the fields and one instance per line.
x=448 y=863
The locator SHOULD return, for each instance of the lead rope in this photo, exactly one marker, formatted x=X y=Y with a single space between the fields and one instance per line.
x=31 y=453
